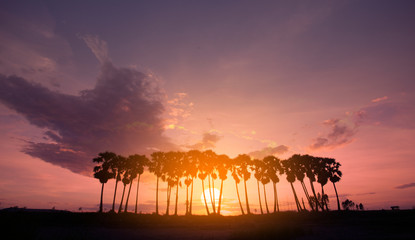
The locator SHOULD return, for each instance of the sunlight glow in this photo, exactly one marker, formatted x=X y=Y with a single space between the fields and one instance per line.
x=215 y=192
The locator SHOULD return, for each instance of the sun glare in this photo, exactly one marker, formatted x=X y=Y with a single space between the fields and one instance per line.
x=215 y=193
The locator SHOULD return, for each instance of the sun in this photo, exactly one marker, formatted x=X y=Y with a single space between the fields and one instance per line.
x=215 y=193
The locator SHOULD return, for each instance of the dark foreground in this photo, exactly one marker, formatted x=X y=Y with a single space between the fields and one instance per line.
x=286 y=225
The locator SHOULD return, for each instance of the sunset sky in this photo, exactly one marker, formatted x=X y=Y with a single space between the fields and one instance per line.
x=326 y=78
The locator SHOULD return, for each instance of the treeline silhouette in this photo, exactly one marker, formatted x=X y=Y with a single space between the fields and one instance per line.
x=175 y=167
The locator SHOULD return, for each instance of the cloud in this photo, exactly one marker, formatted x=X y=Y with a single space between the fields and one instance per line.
x=404 y=186
x=121 y=114
x=98 y=47
x=208 y=141
x=267 y=151
x=178 y=109
x=397 y=113
x=379 y=99
x=339 y=135
x=30 y=48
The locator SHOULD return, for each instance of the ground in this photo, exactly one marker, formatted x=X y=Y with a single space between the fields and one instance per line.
x=24 y=224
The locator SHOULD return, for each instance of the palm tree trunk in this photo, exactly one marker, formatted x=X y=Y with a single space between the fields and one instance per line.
x=265 y=196
x=191 y=199
x=122 y=198
x=246 y=197
x=337 y=196
x=276 y=204
x=157 y=197
x=128 y=196
x=213 y=195
x=210 y=195
x=187 y=199
x=307 y=196
x=220 y=196
x=259 y=197
x=295 y=197
x=323 y=198
x=168 y=199
x=204 y=196
x=315 y=196
x=102 y=195
x=115 y=193
x=136 y=194
x=239 y=199
x=177 y=197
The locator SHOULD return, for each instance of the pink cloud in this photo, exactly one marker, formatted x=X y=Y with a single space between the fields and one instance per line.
x=379 y=99
x=340 y=134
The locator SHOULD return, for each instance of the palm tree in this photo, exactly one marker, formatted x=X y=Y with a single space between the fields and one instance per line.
x=311 y=169
x=103 y=171
x=126 y=179
x=203 y=173
x=188 y=180
x=136 y=164
x=273 y=168
x=335 y=176
x=237 y=180
x=289 y=171
x=258 y=168
x=156 y=167
x=299 y=168
x=191 y=167
x=178 y=173
x=116 y=166
x=211 y=161
x=223 y=167
x=131 y=173
x=265 y=180
x=170 y=175
x=323 y=177
x=194 y=157
x=142 y=161
x=244 y=163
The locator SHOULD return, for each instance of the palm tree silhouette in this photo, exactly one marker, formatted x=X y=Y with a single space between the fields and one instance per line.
x=178 y=173
x=258 y=167
x=273 y=168
x=142 y=161
x=311 y=169
x=187 y=168
x=289 y=170
x=132 y=174
x=170 y=175
x=299 y=168
x=211 y=161
x=135 y=165
x=323 y=177
x=103 y=172
x=117 y=168
x=243 y=161
x=193 y=157
x=126 y=179
x=223 y=167
x=235 y=169
x=265 y=180
x=171 y=167
x=156 y=167
x=203 y=173
x=334 y=176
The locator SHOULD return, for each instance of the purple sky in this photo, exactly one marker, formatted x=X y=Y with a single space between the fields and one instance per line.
x=327 y=78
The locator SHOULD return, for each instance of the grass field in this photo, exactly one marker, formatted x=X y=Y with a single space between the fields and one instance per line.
x=285 y=225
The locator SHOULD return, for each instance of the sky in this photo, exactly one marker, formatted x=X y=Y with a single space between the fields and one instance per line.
x=326 y=78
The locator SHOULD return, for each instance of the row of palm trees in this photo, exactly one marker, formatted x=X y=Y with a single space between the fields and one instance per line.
x=175 y=167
